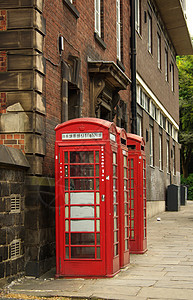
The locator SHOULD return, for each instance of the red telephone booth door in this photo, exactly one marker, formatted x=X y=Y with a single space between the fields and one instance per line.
x=82 y=211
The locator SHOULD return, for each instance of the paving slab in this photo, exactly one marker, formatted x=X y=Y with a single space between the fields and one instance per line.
x=165 y=271
x=165 y=293
x=177 y=284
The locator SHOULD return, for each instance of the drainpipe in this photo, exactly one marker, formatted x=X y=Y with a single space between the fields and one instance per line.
x=133 y=70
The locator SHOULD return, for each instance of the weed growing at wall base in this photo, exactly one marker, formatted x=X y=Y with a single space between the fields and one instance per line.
x=189 y=183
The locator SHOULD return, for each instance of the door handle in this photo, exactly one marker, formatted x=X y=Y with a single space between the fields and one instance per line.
x=103 y=198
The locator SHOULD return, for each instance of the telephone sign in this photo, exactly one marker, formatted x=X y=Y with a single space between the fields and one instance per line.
x=82 y=136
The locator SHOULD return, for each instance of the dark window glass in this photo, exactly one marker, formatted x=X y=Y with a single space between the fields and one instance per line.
x=82 y=252
x=81 y=157
x=82 y=238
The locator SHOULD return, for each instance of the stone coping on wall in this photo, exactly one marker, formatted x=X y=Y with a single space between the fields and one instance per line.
x=12 y=157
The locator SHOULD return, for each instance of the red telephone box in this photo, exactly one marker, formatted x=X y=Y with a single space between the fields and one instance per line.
x=137 y=187
x=87 y=210
x=124 y=199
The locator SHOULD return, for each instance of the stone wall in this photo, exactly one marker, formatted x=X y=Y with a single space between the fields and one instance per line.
x=39 y=225
x=13 y=167
x=22 y=71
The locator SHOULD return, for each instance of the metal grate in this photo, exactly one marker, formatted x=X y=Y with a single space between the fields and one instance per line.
x=15 y=249
x=15 y=203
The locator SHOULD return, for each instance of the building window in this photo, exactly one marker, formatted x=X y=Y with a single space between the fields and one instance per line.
x=99 y=23
x=159 y=118
x=153 y=110
x=160 y=152
x=98 y=17
x=168 y=127
x=147 y=102
x=138 y=90
x=174 y=160
x=149 y=24
x=158 y=50
x=71 y=6
x=138 y=16
x=168 y=156
x=166 y=65
x=121 y=113
x=118 y=29
x=74 y=100
x=151 y=146
x=164 y=122
x=139 y=125
x=141 y=97
x=172 y=76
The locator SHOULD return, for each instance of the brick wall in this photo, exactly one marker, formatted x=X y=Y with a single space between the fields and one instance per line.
x=3 y=20
x=148 y=69
x=2 y=103
x=3 y=61
x=13 y=140
x=3 y=68
x=80 y=42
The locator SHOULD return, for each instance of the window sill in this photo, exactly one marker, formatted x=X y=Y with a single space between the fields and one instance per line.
x=166 y=81
x=150 y=53
x=120 y=65
x=72 y=8
x=153 y=167
x=100 y=41
x=139 y=34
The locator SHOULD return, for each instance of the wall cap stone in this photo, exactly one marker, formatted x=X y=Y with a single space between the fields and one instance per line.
x=43 y=181
x=12 y=157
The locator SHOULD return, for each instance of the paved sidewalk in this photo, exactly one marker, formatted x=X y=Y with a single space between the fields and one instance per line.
x=164 y=272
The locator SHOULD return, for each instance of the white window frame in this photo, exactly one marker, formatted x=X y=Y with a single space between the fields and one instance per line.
x=160 y=152
x=137 y=16
x=147 y=103
x=174 y=160
x=149 y=24
x=138 y=90
x=142 y=98
x=151 y=146
x=166 y=65
x=98 y=17
x=168 y=156
x=118 y=28
x=152 y=110
x=172 y=76
x=139 y=125
x=159 y=50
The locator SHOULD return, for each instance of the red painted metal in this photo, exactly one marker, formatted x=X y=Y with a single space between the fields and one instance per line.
x=87 y=215
x=124 y=199
x=137 y=183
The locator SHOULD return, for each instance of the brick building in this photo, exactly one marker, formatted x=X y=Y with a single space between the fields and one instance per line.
x=57 y=63
x=161 y=34
x=66 y=59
